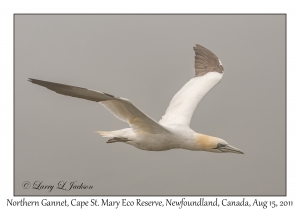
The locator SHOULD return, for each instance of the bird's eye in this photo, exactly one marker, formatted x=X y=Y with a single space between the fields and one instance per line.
x=219 y=146
x=222 y=145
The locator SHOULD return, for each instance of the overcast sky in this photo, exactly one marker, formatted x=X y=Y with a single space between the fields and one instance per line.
x=147 y=59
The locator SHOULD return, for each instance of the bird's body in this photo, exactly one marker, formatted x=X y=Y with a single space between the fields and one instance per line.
x=173 y=130
x=176 y=137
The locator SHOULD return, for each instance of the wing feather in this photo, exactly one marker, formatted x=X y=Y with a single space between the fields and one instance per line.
x=208 y=73
x=206 y=61
x=121 y=108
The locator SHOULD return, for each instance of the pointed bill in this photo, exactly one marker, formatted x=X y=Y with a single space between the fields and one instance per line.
x=229 y=148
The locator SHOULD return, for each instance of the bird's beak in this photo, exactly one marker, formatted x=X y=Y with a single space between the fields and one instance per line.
x=229 y=148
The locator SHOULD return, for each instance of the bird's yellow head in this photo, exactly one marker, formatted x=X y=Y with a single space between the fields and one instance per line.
x=214 y=144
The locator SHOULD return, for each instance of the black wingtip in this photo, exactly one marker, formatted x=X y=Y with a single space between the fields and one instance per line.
x=30 y=80
x=200 y=47
x=35 y=81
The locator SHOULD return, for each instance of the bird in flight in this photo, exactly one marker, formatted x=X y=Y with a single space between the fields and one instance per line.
x=173 y=130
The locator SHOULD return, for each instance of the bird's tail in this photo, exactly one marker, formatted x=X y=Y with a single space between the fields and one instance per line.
x=123 y=133
x=106 y=133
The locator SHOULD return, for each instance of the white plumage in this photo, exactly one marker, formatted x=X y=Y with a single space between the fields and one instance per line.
x=185 y=101
x=173 y=130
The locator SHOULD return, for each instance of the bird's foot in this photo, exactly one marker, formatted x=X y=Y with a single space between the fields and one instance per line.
x=116 y=139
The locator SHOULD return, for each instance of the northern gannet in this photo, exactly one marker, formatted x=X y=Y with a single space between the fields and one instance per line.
x=173 y=130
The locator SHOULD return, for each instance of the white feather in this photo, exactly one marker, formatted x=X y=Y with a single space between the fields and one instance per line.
x=185 y=101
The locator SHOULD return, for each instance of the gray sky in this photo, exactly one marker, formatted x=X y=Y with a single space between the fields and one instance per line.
x=147 y=59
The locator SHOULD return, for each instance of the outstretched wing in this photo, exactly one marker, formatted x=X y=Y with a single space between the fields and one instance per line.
x=121 y=108
x=208 y=73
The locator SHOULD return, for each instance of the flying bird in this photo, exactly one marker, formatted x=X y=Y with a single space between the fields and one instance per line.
x=173 y=130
